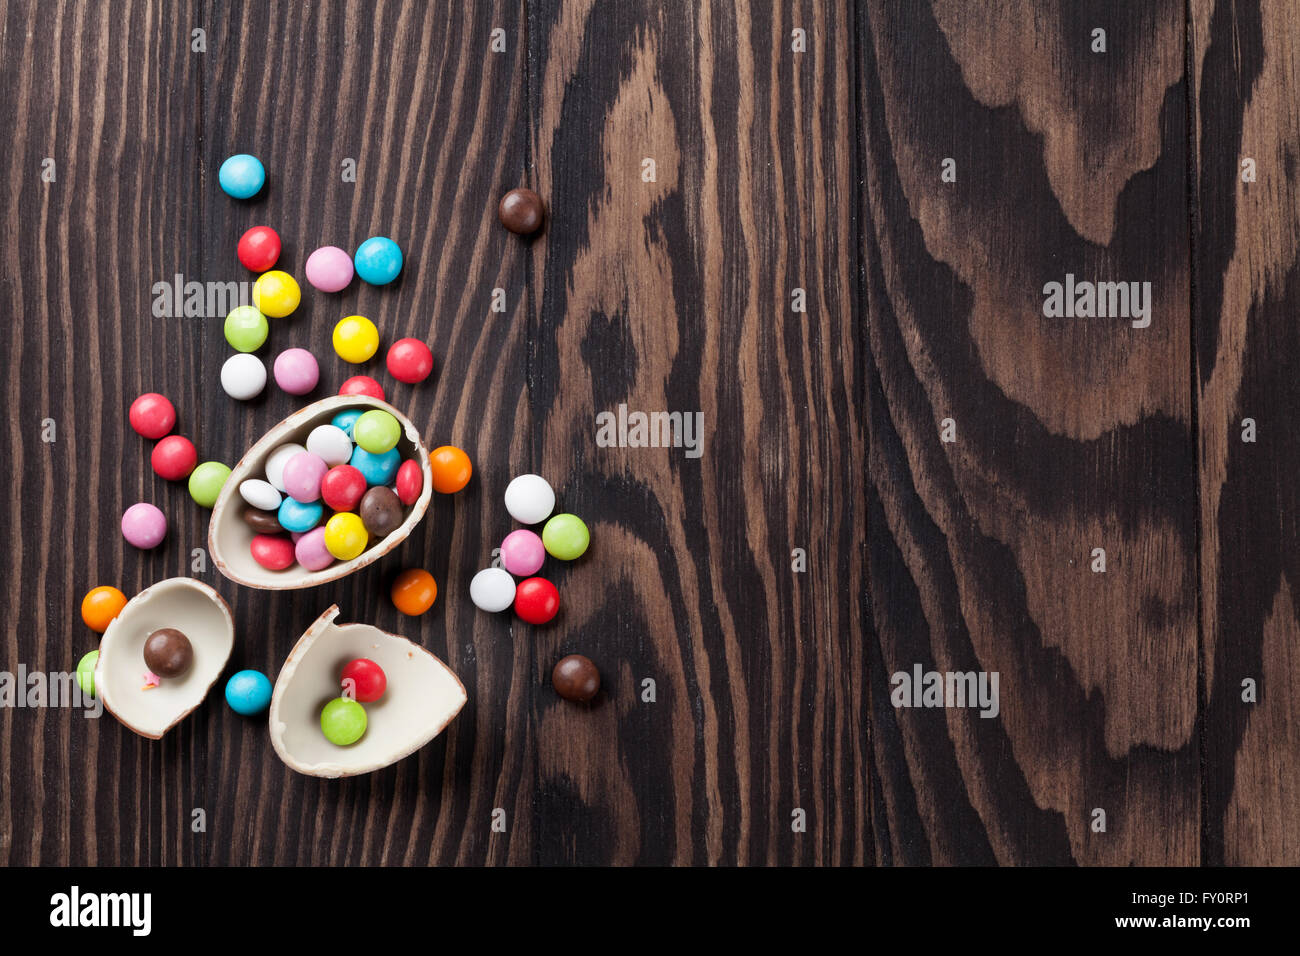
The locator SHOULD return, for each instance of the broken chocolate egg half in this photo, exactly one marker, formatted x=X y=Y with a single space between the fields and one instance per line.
x=421 y=698
x=229 y=536
x=122 y=679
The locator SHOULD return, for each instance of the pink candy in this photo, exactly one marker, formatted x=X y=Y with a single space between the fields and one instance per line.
x=522 y=553
x=296 y=371
x=302 y=476
x=144 y=526
x=329 y=269
x=311 y=551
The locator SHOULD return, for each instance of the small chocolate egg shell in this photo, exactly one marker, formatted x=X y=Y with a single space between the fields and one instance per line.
x=229 y=536
x=422 y=697
x=187 y=605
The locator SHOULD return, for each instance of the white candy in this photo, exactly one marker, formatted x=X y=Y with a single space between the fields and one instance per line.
x=276 y=461
x=331 y=444
x=243 y=376
x=260 y=494
x=529 y=499
x=492 y=589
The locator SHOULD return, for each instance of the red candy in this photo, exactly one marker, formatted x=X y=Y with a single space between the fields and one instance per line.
x=410 y=482
x=410 y=361
x=259 y=248
x=342 y=488
x=537 y=600
x=362 y=385
x=272 y=551
x=174 y=457
x=152 y=415
x=368 y=680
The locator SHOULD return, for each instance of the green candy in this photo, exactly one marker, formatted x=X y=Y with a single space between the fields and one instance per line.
x=246 y=329
x=206 y=481
x=343 y=721
x=377 y=431
x=566 y=537
x=86 y=673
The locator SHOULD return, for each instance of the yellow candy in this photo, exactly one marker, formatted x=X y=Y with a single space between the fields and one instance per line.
x=356 y=339
x=276 y=294
x=345 y=536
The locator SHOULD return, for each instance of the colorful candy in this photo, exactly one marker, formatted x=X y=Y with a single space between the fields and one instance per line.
x=377 y=469
x=311 y=552
x=342 y=487
x=299 y=516
x=410 y=361
x=378 y=260
x=262 y=522
x=331 y=444
x=243 y=376
x=174 y=458
x=355 y=339
x=246 y=329
x=206 y=482
x=151 y=415
x=365 y=679
x=536 y=600
x=521 y=211
x=329 y=269
x=492 y=589
x=522 y=553
x=144 y=526
x=168 y=652
x=302 y=477
x=409 y=482
x=248 y=692
x=376 y=431
x=260 y=494
x=414 y=591
x=343 y=721
x=345 y=536
x=272 y=551
x=566 y=537
x=100 y=606
x=451 y=469
x=575 y=678
x=276 y=294
x=276 y=461
x=296 y=371
x=86 y=672
x=242 y=176
x=362 y=385
x=344 y=421
x=529 y=499
x=381 y=511
x=259 y=248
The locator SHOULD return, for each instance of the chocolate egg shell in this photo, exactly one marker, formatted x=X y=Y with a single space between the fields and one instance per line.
x=168 y=652
x=229 y=536
x=381 y=511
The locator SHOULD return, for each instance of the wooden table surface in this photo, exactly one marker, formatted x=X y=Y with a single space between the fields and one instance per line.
x=800 y=271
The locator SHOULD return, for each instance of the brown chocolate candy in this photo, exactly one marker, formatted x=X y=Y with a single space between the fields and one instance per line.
x=262 y=522
x=381 y=511
x=575 y=678
x=168 y=652
x=521 y=211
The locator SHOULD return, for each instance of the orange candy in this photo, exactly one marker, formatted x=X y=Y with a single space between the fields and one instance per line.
x=451 y=469
x=414 y=591
x=100 y=606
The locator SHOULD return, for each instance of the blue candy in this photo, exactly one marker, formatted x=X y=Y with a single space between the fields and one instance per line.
x=242 y=176
x=345 y=420
x=298 y=515
x=248 y=692
x=378 y=260
x=376 y=469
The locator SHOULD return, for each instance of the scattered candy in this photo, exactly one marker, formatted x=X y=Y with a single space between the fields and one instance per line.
x=302 y=477
x=86 y=672
x=492 y=589
x=262 y=522
x=272 y=551
x=144 y=526
x=368 y=680
x=451 y=469
x=206 y=482
x=276 y=461
x=246 y=329
x=529 y=499
x=296 y=371
x=243 y=376
x=381 y=511
x=259 y=248
x=521 y=211
x=276 y=294
x=377 y=469
x=331 y=444
x=329 y=269
x=575 y=678
x=566 y=537
x=151 y=415
x=168 y=652
x=342 y=487
x=362 y=385
x=344 y=421
x=356 y=339
x=299 y=516
x=376 y=431
x=522 y=553
x=409 y=482
x=343 y=721
x=311 y=552
x=410 y=361
x=378 y=260
x=174 y=458
x=345 y=536
x=100 y=606
x=242 y=176
x=260 y=494
x=248 y=692
x=536 y=600
x=414 y=592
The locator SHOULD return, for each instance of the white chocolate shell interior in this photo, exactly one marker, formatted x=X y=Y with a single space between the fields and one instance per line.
x=192 y=608
x=229 y=537
x=422 y=697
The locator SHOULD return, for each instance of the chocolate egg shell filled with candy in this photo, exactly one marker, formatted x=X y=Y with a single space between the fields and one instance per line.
x=229 y=535
x=420 y=698
x=183 y=605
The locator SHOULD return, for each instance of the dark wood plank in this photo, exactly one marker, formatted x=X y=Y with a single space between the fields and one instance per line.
x=1071 y=434
x=1246 y=70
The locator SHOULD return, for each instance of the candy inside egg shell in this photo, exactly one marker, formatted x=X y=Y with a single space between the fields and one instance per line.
x=187 y=605
x=421 y=698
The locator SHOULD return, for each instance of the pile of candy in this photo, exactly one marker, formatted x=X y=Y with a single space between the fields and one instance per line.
x=343 y=719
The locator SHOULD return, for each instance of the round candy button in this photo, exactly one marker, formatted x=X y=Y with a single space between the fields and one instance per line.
x=206 y=482
x=343 y=721
x=174 y=457
x=151 y=415
x=364 y=680
x=345 y=420
x=243 y=376
x=376 y=431
x=566 y=537
x=536 y=600
x=410 y=482
x=362 y=385
x=330 y=443
x=276 y=461
x=410 y=361
x=144 y=526
x=522 y=553
x=276 y=294
x=242 y=176
x=272 y=551
x=329 y=269
x=311 y=552
x=377 y=469
x=260 y=494
x=575 y=678
x=259 y=248
x=100 y=606
x=168 y=652
x=378 y=260
x=248 y=692
x=492 y=589
x=299 y=516
x=355 y=339
x=451 y=469
x=530 y=499
x=246 y=329
x=381 y=511
x=414 y=592
x=296 y=371
x=302 y=477
x=345 y=536
x=86 y=673
x=342 y=488
x=521 y=211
